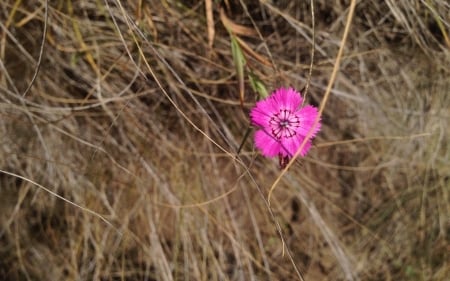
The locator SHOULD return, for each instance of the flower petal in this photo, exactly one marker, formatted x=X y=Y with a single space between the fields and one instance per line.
x=262 y=112
x=268 y=145
x=305 y=148
x=291 y=145
x=307 y=116
x=287 y=98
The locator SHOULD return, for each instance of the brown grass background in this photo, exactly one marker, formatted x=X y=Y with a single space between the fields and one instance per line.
x=119 y=163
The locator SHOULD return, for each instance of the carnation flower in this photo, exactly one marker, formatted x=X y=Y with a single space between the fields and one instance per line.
x=283 y=124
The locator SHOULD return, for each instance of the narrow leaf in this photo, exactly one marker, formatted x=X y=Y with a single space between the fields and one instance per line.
x=239 y=63
x=257 y=85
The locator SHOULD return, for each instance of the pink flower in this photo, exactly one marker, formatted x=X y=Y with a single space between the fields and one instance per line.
x=283 y=124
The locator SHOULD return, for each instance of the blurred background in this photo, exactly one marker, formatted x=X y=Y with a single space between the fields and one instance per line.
x=120 y=125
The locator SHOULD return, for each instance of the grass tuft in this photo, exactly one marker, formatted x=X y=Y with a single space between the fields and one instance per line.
x=121 y=122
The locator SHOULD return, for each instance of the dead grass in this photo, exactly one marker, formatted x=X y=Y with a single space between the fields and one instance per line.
x=136 y=119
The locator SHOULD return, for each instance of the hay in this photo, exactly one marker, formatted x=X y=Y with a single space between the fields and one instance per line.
x=136 y=119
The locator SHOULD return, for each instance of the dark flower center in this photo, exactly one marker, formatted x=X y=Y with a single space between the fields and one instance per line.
x=284 y=124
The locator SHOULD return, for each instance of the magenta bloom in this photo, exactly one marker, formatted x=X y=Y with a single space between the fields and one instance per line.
x=283 y=124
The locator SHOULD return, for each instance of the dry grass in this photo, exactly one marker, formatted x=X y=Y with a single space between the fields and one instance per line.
x=135 y=117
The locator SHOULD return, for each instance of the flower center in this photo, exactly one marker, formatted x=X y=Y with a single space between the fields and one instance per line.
x=284 y=124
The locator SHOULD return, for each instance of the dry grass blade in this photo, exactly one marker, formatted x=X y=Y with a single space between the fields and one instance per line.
x=41 y=51
x=210 y=22
x=440 y=23
x=133 y=120
x=325 y=98
x=234 y=27
x=252 y=53
x=61 y=197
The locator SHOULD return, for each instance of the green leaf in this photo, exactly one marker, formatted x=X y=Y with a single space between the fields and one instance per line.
x=257 y=85
x=239 y=62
